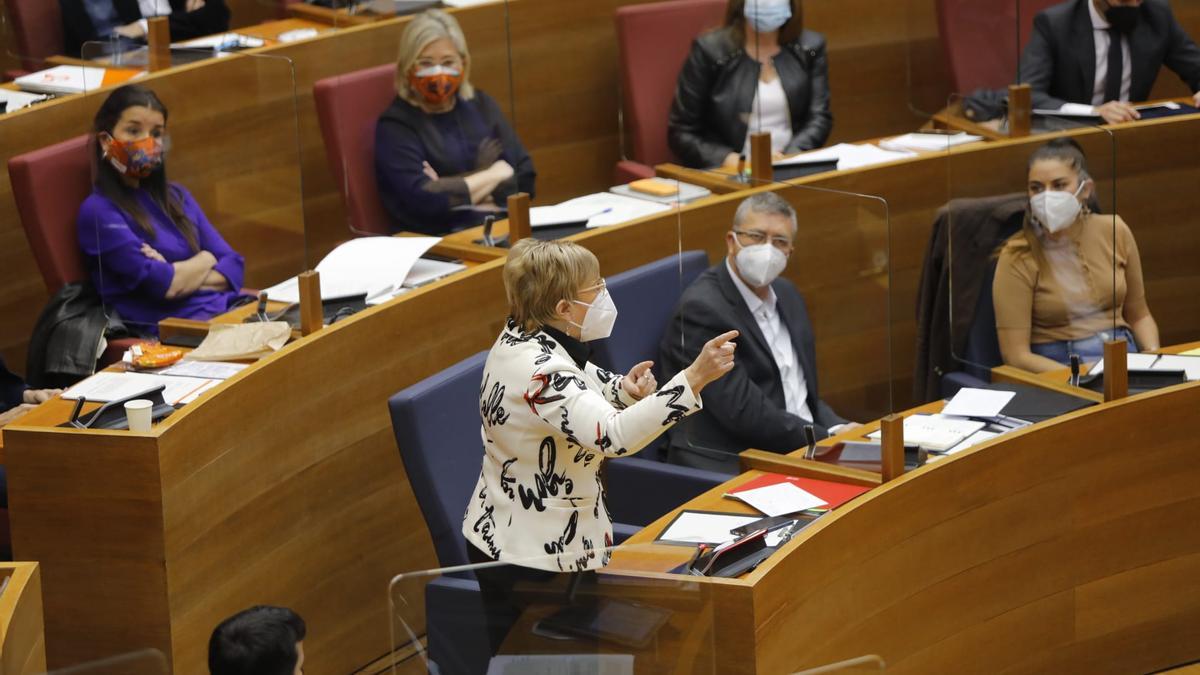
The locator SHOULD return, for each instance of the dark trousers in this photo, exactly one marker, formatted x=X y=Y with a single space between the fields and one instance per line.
x=503 y=601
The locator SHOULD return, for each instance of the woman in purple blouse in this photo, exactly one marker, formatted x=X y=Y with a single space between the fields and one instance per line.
x=150 y=250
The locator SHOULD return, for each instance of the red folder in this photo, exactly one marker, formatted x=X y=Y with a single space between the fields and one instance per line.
x=835 y=494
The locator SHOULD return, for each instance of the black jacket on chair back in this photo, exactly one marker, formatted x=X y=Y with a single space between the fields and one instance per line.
x=717 y=86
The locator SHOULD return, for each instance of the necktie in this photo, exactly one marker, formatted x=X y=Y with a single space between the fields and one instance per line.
x=1112 y=84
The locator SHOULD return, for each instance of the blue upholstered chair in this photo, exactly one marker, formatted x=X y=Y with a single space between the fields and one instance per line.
x=436 y=422
x=645 y=297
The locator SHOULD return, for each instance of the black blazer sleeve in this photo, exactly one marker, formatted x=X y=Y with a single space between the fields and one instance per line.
x=212 y=18
x=685 y=126
x=77 y=26
x=1183 y=56
x=12 y=388
x=524 y=175
x=734 y=401
x=819 y=116
x=1037 y=64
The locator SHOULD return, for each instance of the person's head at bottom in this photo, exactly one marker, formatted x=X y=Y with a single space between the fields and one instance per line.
x=262 y=640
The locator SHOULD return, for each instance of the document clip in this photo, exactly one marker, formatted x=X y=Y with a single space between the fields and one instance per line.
x=1074 y=382
x=111 y=415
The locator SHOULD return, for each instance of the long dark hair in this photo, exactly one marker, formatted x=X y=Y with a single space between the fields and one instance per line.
x=108 y=180
x=735 y=21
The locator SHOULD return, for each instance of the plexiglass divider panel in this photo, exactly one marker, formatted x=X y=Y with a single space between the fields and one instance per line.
x=527 y=615
x=196 y=200
x=1032 y=251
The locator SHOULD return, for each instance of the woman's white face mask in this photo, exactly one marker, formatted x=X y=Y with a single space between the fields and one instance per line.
x=600 y=318
x=1056 y=210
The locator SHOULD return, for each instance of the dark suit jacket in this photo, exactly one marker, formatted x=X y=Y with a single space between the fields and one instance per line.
x=78 y=28
x=1059 y=62
x=746 y=407
x=717 y=86
x=12 y=388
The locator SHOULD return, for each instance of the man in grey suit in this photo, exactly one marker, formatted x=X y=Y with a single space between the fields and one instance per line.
x=1106 y=53
x=771 y=394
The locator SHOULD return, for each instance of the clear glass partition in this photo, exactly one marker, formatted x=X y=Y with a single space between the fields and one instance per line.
x=527 y=617
x=144 y=662
x=197 y=201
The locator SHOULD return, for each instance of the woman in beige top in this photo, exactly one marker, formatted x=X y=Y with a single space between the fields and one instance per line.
x=1070 y=279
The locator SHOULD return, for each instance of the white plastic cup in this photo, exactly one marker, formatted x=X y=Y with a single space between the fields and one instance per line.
x=138 y=413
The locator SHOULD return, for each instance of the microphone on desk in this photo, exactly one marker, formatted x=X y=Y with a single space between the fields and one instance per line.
x=262 y=306
x=810 y=437
x=488 y=221
x=1074 y=370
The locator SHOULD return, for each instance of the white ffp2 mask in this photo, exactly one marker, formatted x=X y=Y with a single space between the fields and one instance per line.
x=1056 y=209
x=600 y=318
x=760 y=264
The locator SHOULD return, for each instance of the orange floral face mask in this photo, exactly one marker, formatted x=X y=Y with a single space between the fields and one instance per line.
x=436 y=84
x=136 y=159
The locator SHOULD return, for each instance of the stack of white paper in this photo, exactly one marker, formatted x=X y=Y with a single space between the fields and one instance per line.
x=1189 y=364
x=596 y=210
x=935 y=432
x=373 y=266
x=221 y=42
x=16 y=100
x=779 y=499
x=108 y=386
x=848 y=156
x=697 y=527
x=919 y=142
x=972 y=402
x=62 y=80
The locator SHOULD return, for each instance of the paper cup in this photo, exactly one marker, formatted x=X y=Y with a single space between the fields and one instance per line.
x=138 y=413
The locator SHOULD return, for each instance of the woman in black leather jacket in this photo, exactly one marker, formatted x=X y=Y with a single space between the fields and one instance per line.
x=717 y=88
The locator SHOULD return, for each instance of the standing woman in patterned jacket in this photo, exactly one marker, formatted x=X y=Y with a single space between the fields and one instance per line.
x=551 y=418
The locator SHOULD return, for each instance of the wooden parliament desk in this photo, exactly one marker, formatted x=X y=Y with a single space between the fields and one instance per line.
x=22 y=641
x=1059 y=378
x=1068 y=546
x=284 y=485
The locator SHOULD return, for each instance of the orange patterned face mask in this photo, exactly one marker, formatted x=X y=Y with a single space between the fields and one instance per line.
x=436 y=84
x=136 y=159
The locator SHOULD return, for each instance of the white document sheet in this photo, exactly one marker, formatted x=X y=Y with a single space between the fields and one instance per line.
x=1188 y=364
x=779 y=499
x=596 y=210
x=62 y=80
x=1068 y=110
x=848 y=156
x=935 y=432
x=112 y=386
x=220 y=41
x=19 y=99
x=1132 y=362
x=216 y=370
x=919 y=142
x=694 y=527
x=971 y=402
x=371 y=265
x=974 y=439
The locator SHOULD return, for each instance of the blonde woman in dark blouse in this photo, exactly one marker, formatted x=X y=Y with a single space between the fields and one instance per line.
x=1070 y=279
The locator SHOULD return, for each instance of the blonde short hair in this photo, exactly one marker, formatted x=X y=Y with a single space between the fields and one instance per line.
x=424 y=29
x=538 y=274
